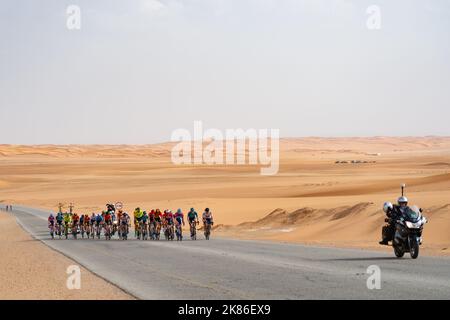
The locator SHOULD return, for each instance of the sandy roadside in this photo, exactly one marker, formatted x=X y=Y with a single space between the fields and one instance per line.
x=31 y=270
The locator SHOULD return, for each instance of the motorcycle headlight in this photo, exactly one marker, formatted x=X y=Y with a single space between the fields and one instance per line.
x=412 y=225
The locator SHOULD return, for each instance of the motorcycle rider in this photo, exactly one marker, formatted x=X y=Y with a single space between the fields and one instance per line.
x=393 y=212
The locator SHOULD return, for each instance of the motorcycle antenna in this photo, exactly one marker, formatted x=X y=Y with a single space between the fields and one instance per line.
x=403 y=189
x=71 y=208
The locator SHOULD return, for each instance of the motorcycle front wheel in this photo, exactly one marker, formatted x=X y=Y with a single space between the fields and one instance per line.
x=399 y=252
x=414 y=251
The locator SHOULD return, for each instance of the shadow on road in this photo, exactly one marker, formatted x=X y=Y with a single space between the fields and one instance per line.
x=363 y=259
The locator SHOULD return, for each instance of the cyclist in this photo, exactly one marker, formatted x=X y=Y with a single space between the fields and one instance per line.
x=125 y=220
x=81 y=220
x=98 y=223
x=144 y=221
x=108 y=221
x=168 y=217
x=87 y=223
x=151 y=216
x=75 y=219
x=192 y=216
x=137 y=218
x=179 y=217
x=158 y=216
x=207 y=217
x=51 y=221
x=59 y=220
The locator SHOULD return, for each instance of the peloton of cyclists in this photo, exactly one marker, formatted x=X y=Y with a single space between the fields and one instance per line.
x=152 y=221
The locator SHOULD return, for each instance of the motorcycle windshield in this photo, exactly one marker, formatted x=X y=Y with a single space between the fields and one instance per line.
x=412 y=214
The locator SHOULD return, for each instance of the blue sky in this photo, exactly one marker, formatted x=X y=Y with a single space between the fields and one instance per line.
x=139 y=69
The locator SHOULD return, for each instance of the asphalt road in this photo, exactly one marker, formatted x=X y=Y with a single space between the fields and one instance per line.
x=239 y=269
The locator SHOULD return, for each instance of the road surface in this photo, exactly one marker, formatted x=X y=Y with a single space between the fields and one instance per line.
x=240 y=269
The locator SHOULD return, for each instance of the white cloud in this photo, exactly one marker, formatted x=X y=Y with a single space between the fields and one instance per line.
x=152 y=6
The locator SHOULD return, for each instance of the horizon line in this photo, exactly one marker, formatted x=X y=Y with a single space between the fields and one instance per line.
x=281 y=138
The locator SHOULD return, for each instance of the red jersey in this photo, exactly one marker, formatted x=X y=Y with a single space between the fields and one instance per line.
x=167 y=215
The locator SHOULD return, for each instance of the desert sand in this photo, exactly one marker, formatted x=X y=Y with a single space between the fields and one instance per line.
x=27 y=266
x=312 y=199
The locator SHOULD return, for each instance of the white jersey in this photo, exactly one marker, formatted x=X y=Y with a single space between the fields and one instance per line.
x=207 y=215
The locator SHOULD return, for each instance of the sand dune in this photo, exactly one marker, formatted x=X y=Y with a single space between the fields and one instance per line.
x=321 y=200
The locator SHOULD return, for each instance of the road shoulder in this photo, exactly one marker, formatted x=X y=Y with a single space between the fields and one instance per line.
x=31 y=270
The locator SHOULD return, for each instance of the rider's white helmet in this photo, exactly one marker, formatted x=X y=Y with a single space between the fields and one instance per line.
x=402 y=199
x=387 y=206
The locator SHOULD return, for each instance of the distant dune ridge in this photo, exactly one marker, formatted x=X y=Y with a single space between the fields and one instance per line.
x=312 y=199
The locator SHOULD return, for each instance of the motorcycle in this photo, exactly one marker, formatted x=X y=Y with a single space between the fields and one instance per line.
x=408 y=232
